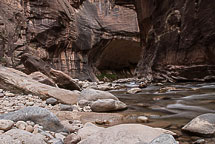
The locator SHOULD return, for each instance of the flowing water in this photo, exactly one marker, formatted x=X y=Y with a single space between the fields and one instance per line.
x=171 y=106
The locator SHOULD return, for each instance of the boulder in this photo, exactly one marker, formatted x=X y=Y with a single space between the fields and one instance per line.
x=105 y=105
x=93 y=95
x=88 y=130
x=164 y=139
x=202 y=125
x=14 y=80
x=37 y=115
x=63 y=80
x=20 y=137
x=40 y=77
x=124 y=134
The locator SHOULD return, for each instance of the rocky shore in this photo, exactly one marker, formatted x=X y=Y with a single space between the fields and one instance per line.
x=31 y=113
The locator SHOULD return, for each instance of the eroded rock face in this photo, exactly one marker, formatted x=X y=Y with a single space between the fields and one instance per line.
x=66 y=34
x=177 y=40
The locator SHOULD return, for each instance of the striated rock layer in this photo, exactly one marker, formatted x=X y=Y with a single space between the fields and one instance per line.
x=69 y=35
x=177 y=39
x=82 y=38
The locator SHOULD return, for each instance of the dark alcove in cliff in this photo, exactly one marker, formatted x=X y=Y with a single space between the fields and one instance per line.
x=118 y=57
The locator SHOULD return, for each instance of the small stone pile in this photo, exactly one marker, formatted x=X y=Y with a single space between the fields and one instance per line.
x=31 y=127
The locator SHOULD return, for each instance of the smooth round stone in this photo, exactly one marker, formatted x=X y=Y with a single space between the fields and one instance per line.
x=142 y=119
x=21 y=125
x=29 y=128
x=64 y=107
x=51 y=101
x=6 y=124
x=1 y=90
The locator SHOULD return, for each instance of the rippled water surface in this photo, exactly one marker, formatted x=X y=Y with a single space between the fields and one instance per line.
x=171 y=106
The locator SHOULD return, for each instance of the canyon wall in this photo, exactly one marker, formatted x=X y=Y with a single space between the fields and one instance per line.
x=174 y=40
x=68 y=35
x=178 y=40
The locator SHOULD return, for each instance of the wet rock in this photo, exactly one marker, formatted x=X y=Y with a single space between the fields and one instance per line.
x=142 y=85
x=51 y=101
x=18 y=81
x=72 y=139
x=40 y=77
x=23 y=136
x=202 y=125
x=124 y=133
x=164 y=139
x=93 y=95
x=88 y=130
x=105 y=105
x=38 y=115
x=6 y=124
x=64 y=107
x=134 y=90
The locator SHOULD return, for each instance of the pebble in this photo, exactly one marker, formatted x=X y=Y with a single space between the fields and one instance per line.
x=36 y=130
x=72 y=139
x=59 y=136
x=1 y=132
x=142 y=119
x=30 y=103
x=56 y=141
x=64 y=107
x=29 y=128
x=9 y=94
x=6 y=124
x=51 y=101
x=21 y=125
x=1 y=90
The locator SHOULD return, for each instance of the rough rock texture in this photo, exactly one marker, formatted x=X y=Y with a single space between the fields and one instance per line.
x=36 y=114
x=177 y=39
x=69 y=35
x=124 y=133
x=164 y=139
x=14 y=80
x=106 y=105
x=20 y=137
x=202 y=125
x=40 y=77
